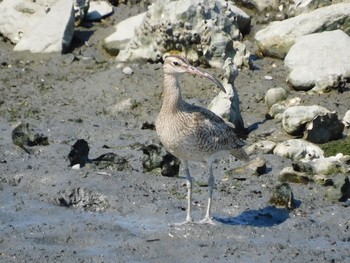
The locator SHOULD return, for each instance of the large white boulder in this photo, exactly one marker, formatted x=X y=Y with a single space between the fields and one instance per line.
x=52 y=32
x=318 y=61
x=18 y=16
x=201 y=29
x=277 y=38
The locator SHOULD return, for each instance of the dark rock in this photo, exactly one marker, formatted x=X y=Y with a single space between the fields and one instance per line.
x=282 y=195
x=288 y=174
x=81 y=198
x=148 y=126
x=299 y=166
x=111 y=161
x=79 y=153
x=324 y=128
x=157 y=157
x=26 y=134
x=15 y=180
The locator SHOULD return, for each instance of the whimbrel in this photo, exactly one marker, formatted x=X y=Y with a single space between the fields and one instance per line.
x=193 y=133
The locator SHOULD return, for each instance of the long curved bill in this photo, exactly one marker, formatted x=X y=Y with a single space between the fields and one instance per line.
x=196 y=71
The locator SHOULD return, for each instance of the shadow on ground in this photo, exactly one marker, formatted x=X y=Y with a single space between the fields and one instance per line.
x=265 y=217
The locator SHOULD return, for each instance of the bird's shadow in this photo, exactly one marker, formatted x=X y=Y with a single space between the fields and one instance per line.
x=265 y=217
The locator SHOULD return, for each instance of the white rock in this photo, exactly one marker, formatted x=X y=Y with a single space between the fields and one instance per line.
x=262 y=5
x=346 y=119
x=317 y=59
x=226 y=104
x=330 y=165
x=51 y=33
x=127 y=71
x=242 y=55
x=297 y=149
x=295 y=118
x=17 y=16
x=305 y=6
x=98 y=10
x=276 y=110
x=275 y=95
x=277 y=38
x=124 y=31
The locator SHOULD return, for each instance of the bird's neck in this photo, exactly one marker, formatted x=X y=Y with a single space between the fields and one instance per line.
x=172 y=99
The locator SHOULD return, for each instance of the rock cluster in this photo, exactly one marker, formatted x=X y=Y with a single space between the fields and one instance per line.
x=202 y=30
x=312 y=57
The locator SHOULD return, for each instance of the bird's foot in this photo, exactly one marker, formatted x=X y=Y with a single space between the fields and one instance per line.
x=186 y=222
x=207 y=221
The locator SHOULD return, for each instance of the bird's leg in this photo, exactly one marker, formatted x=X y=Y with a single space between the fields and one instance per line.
x=189 y=194
x=207 y=219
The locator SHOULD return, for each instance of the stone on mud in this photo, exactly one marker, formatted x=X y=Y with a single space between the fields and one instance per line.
x=290 y=175
x=79 y=153
x=27 y=135
x=297 y=149
x=275 y=95
x=261 y=147
x=81 y=198
x=111 y=161
x=253 y=167
x=276 y=111
x=324 y=128
x=316 y=123
x=282 y=195
x=156 y=158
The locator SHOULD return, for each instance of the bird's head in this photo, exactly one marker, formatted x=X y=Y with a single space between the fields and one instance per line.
x=177 y=65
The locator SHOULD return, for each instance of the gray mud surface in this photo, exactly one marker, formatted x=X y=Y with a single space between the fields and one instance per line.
x=50 y=212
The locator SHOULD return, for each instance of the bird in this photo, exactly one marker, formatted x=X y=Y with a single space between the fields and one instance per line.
x=193 y=133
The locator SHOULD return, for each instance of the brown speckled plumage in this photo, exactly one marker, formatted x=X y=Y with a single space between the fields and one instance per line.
x=193 y=133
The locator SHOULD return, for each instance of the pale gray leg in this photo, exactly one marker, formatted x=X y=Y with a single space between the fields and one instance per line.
x=189 y=194
x=207 y=219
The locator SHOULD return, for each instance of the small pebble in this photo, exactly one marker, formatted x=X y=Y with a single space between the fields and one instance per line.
x=76 y=166
x=268 y=77
x=127 y=71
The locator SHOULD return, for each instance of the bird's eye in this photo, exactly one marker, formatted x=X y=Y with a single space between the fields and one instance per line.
x=175 y=63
